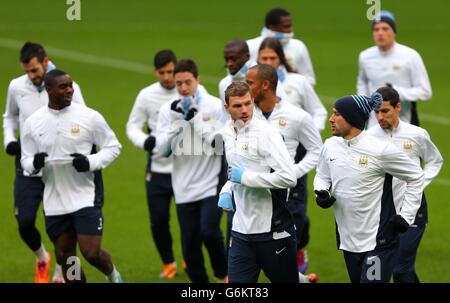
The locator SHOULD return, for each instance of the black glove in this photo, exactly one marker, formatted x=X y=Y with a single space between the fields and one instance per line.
x=39 y=161
x=191 y=113
x=400 y=224
x=80 y=162
x=177 y=107
x=13 y=148
x=149 y=143
x=324 y=199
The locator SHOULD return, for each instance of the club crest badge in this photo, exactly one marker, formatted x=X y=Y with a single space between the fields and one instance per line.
x=363 y=161
x=245 y=147
x=75 y=130
x=282 y=122
x=288 y=90
x=407 y=146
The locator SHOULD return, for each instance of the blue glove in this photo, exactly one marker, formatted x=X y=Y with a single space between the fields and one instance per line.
x=186 y=102
x=235 y=174
x=225 y=201
x=281 y=75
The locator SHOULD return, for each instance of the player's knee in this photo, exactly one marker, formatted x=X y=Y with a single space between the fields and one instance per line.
x=62 y=255
x=160 y=222
x=91 y=255
x=403 y=277
x=209 y=234
x=28 y=230
x=26 y=222
x=402 y=272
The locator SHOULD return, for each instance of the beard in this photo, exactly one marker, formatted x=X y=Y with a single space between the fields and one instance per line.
x=258 y=98
x=38 y=81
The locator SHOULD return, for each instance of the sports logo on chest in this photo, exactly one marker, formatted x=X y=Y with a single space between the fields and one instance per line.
x=396 y=67
x=75 y=130
x=244 y=147
x=282 y=122
x=288 y=90
x=407 y=146
x=363 y=161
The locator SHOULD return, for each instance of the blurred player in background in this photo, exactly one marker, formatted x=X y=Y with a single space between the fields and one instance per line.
x=26 y=94
x=389 y=63
x=158 y=180
x=197 y=170
x=416 y=143
x=57 y=139
x=278 y=24
x=295 y=87
x=237 y=62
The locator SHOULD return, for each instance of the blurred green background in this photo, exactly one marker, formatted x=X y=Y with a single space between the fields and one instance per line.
x=109 y=52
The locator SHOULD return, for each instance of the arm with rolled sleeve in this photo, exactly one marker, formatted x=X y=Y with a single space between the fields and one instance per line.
x=431 y=157
x=396 y=163
x=136 y=121
x=29 y=149
x=277 y=156
x=421 y=87
x=322 y=180
x=104 y=137
x=10 y=118
x=310 y=138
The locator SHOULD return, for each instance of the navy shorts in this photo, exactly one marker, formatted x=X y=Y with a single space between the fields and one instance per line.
x=28 y=193
x=277 y=258
x=374 y=266
x=86 y=221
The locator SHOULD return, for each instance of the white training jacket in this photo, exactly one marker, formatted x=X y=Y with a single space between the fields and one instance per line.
x=22 y=100
x=59 y=133
x=415 y=142
x=260 y=199
x=301 y=93
x=296 y=127
x=145 y=112
x=295 y=51
x=400 y=66
x=360 y=171
x=196 y=166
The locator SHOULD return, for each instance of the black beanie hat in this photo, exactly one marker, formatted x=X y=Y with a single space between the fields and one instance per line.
x=388 y=17
x=356 y=108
